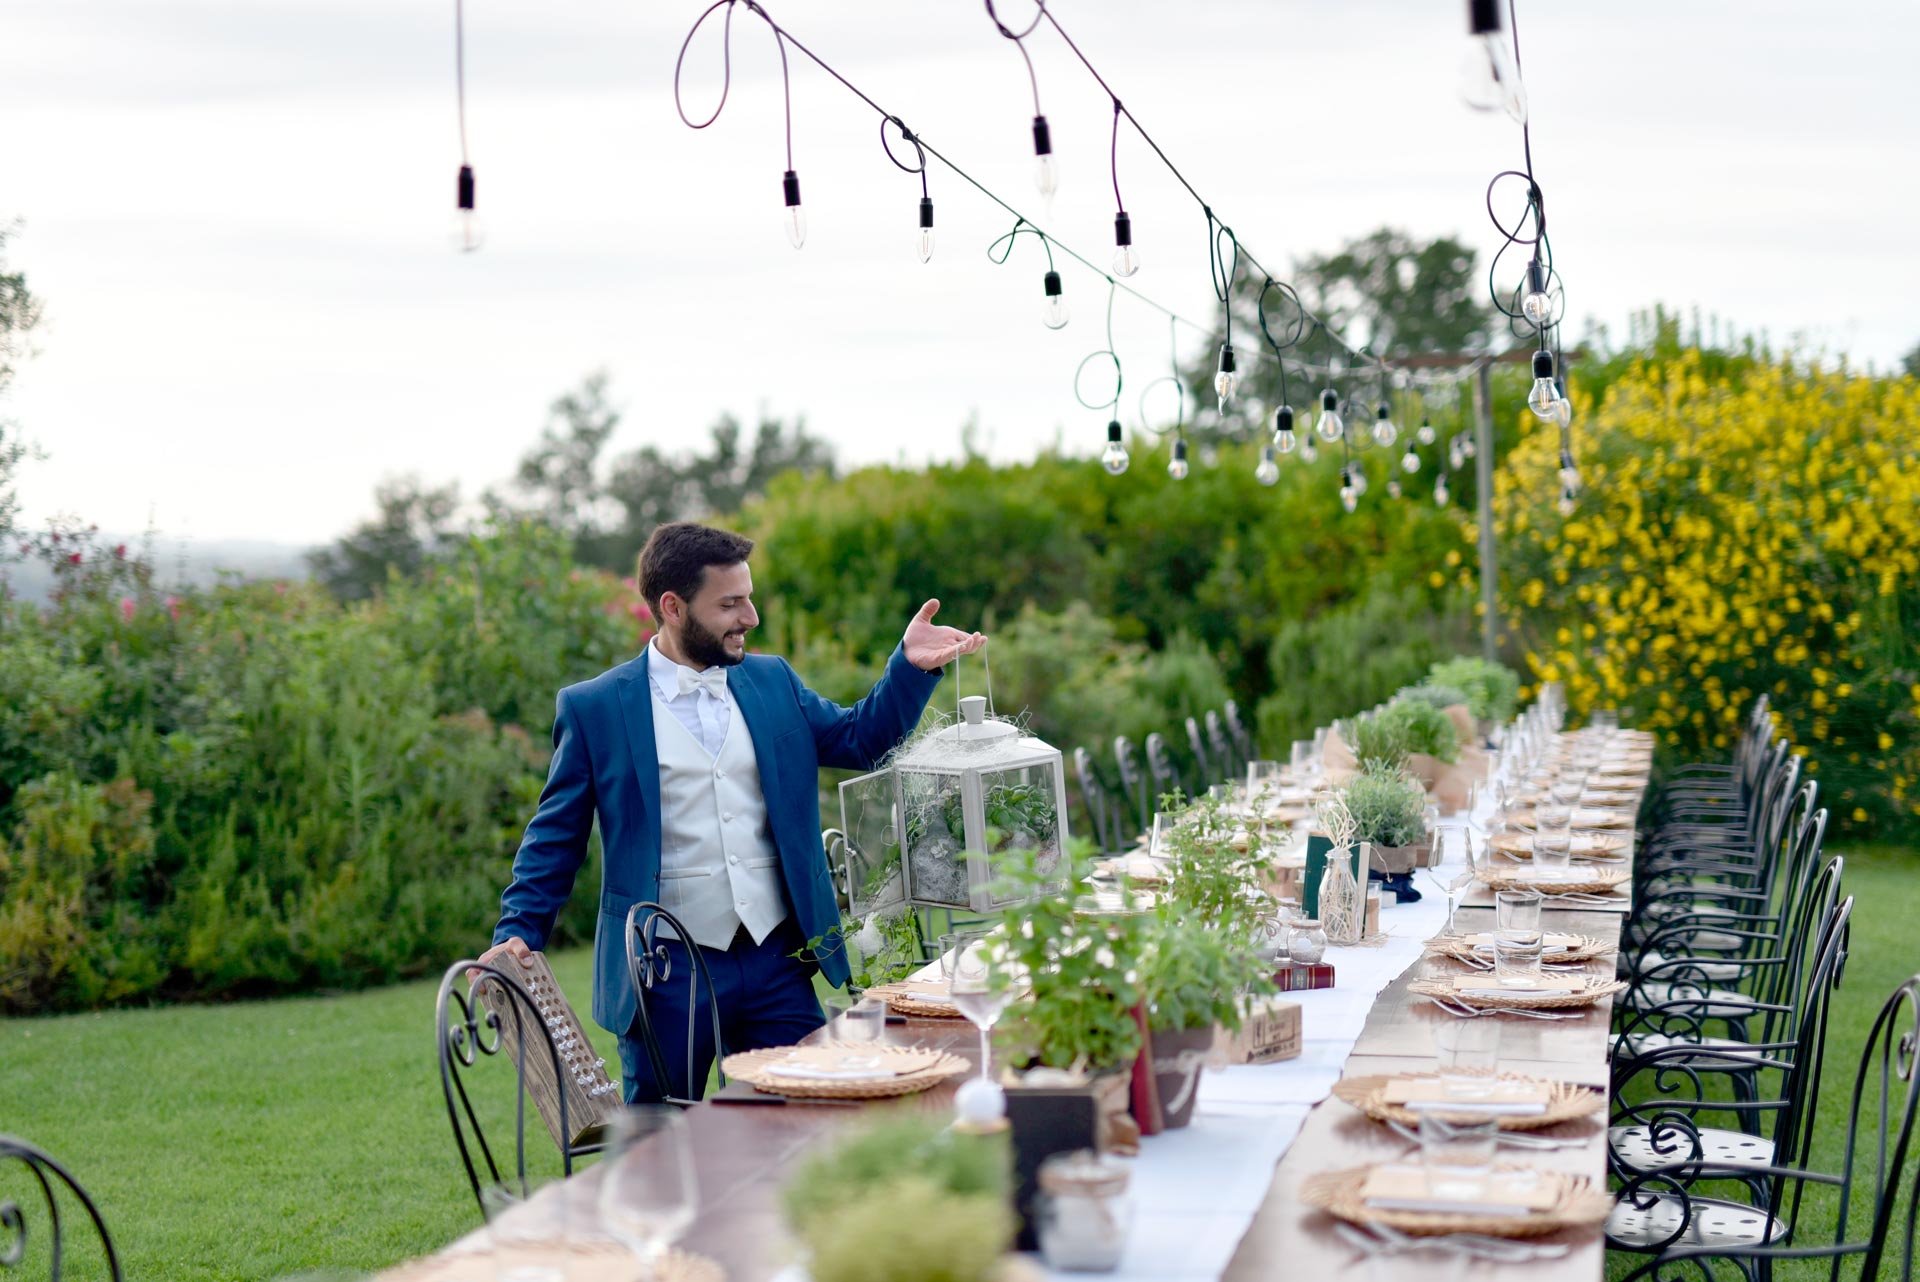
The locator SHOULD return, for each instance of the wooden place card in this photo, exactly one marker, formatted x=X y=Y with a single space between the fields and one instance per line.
x=1540 y=984
x=1396 y=1187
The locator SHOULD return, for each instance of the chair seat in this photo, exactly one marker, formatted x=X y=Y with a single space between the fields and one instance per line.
x=1633 y=1148
x=1715 y=1222
x=1715 y=1003
x=1704 y=1060
x=1723 y=972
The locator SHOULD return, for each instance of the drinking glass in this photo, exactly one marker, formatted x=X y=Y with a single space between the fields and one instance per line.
x=863 y=1021
x=1263 y=784
x=1469 y=1052
x=1567 y=788
x=527 y=1235
x=1552 y=849
x=1606 y=720
x=951 y=945
x=981 y=985
x=1551 y=816
x=648 y=1193
x=1303 y=759
x=1516 y=937
x=1457 y=1151
x=1160 y=846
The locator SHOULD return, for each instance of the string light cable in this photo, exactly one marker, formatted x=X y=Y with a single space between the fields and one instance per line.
x=466 y=232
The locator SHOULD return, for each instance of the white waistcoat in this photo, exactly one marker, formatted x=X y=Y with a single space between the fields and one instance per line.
x=719 y=868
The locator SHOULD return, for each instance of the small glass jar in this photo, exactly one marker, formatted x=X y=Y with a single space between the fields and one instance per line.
x=1083 y=1212
x=1307 y=943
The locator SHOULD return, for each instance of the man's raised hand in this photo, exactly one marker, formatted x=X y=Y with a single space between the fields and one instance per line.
x=930 y=645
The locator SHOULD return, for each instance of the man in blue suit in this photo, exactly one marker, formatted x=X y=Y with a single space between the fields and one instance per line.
x=702 y=763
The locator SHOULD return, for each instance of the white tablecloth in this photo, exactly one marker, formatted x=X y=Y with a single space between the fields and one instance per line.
x=1196 y=1190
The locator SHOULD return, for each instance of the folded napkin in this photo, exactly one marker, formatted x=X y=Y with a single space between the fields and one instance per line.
x=1393 y=1187
x=810 y=1073
x=1552 y=942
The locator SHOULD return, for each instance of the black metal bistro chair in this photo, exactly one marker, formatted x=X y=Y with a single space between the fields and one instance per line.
x=1203 y=764
x=469 y=1034
x=1135 y=786
x=1870 y=1224
x=50 y=1185
x=1228 y=764
x=1104 y=810
x=1162 y=770
x=1238 y=733
x=651 y=965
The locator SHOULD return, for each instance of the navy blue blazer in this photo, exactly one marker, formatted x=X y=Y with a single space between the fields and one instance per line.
x=604 y=761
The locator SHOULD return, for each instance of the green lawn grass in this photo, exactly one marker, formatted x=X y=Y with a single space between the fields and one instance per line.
x=254 y=1140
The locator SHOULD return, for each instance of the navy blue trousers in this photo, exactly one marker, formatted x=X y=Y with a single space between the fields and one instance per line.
x=766 y=999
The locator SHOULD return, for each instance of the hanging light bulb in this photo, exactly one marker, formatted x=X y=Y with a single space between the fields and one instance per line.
x=1126 y=259
x=796 y=216
x=1309 y=452
x=466 y=231
x=1562 y=407
x=1177 y=465
x=1569 y=474
x=1359 y=481
x=924 y=245
x=1536 y=304
x=1329 y=424
x=1425 y=435
x=1456 y=453
x=1567 y=503
x=1441 y=495
x=1467 y=447
x=1540 y=400
x=1046 y=174
x=1384 y=432
x=1283 y=438
x=1055 y=312
x=1269 y=470
x=1114 y=457
x=1410 y=461
x=1488 y=79
x=1349 y=497
x=1226 y=379
x=1393 y=488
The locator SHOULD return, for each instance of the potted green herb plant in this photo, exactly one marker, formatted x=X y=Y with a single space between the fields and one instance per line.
x=1201 y=957
x=1492 y=689
x=947 y=1192
x=1195 y=978
x=1389 y=810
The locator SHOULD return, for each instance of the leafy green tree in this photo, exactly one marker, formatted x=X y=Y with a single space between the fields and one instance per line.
x=1403 y=294
x=19 y=313
x=413 y=521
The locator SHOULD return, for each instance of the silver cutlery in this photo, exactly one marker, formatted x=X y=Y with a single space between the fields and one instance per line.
x=1512 y=1139
x=1378 y=1239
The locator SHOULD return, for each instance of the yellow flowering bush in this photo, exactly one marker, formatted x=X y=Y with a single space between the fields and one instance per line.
x=1744 y=526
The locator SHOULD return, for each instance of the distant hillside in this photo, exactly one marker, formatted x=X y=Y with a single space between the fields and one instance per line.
x=182 y=561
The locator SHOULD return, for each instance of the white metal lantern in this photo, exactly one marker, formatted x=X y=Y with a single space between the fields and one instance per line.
x=927 y=830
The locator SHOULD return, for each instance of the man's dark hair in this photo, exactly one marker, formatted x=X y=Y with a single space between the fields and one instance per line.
x=677 y=556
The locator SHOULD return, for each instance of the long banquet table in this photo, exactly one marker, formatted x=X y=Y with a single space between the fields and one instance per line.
x=1220 y=1198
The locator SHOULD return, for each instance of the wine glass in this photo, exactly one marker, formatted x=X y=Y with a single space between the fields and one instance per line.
x=648 y=1195
x=981 y=985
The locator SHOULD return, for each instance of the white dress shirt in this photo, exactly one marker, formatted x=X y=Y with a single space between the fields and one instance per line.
x=698 y=700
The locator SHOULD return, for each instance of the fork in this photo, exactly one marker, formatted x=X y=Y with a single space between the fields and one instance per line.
x=1385 y=1241
x=1475 y=1012
x=1512 y=1139
x=1482 y=963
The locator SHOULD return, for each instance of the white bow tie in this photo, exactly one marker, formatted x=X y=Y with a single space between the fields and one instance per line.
x=713 y=681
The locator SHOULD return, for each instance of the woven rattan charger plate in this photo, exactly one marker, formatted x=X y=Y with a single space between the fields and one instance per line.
x=1577 y=881
x=1516 y=999
x=1578 y=948
x=1565 y=1101
x=933 y=1068
x=1586 y=845
x=1578 y=1205
x=902 y=1001
x=585 y=1262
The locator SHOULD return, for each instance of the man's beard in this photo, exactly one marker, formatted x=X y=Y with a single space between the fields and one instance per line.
x=703 y=648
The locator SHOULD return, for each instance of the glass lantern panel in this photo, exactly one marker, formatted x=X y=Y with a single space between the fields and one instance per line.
x=869 y=815
x=934 y=814
x=1020 y=806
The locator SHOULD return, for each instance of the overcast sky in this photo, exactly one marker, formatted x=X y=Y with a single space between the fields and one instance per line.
x=236 y=212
